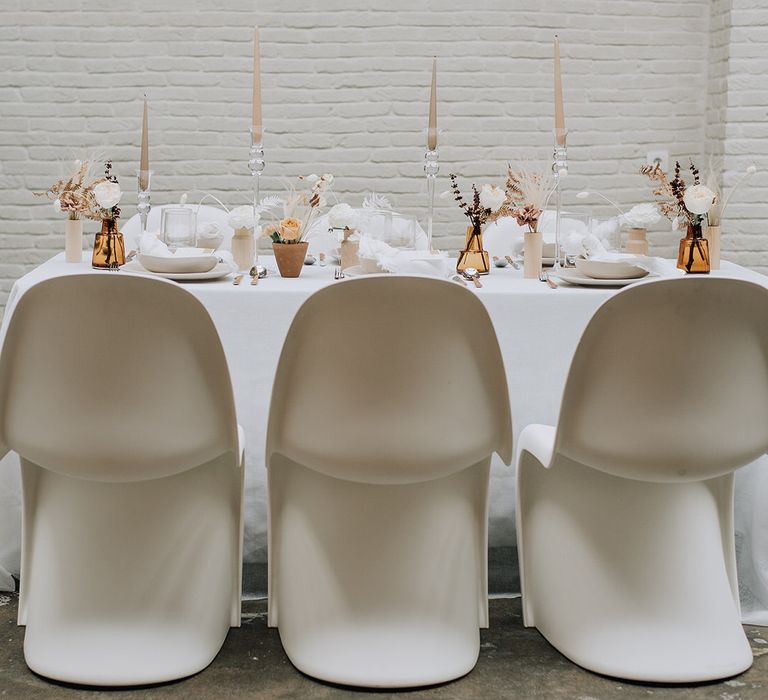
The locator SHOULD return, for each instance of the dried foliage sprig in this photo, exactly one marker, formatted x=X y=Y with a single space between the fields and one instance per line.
x=299 y=208
x=475 y=212
x=73 y=194
x=528 y=190
x=683 y=205
x=714 y=176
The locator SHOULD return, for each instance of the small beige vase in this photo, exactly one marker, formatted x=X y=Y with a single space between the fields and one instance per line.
x=73 y=240
x=243 y=248
x=637 y=241
x=290 y=257
x=532 y=248
x=712 y=234
x=349 y=257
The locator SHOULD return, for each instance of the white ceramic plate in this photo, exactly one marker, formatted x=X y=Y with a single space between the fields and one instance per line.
x=576 y=277
x=188 y=264
x=358 y=271
x=610 y=269
x=221 y=270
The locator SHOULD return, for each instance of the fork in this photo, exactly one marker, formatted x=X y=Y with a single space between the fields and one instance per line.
x=338 y=274
x=544 y=277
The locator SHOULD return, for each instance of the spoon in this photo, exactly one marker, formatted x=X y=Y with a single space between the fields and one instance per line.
x=512 y=262
x=499 y=262
x=473 y=275
x=260 y=269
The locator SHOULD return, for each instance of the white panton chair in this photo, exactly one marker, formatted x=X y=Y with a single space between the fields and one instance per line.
x=625 y=509
x=389 y=400
x=115 y=393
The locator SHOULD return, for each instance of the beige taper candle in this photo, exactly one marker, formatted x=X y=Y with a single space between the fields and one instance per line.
x=559 y=115
x=256 y=133
x=144 y=164
x=432 y=127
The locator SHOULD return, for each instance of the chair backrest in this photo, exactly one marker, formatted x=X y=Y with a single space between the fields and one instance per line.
x=114 y=377
x=390 y=379
x=670 y=382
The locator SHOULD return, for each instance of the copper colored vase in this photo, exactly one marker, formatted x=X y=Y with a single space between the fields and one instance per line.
x=473 y=254
x=693 y=253
x=108 y=248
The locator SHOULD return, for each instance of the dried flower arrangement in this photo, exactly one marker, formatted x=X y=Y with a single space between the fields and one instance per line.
x=299 y=208
x=485 y=204
x=82 y=195
x=73 y=193
x=528 y=191
x=683 y=205
x=717 y=210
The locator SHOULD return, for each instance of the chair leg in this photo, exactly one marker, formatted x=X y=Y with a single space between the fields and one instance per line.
x=629 y=578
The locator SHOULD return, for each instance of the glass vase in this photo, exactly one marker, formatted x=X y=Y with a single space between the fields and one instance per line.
x=473 y=254
x=693 y=253
x=108 y=248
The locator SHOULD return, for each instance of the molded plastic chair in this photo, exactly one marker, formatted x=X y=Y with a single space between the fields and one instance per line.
x=115 y=392
x=625 y=510
x=389 y=399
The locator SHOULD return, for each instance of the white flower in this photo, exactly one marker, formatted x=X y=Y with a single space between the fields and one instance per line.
x=342 y=216
x=209 y=229
x=492 y=197
x=242 y=217
x=641 y=215
x=57 y=205
x=183 y=199
x=698 y=199
x=107 y=194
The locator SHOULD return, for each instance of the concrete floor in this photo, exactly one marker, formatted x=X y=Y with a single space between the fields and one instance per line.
x=514 y=663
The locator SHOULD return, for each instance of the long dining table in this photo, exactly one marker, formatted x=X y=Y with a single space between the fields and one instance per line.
x=538 y=329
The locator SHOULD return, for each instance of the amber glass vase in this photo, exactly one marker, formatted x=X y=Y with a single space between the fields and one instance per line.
x=473 y=254
x=108 y=248
x=693 y=253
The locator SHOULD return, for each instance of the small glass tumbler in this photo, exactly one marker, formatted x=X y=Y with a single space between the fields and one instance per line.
x=177 y=227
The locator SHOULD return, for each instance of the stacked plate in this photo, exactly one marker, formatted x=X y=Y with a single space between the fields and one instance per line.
x=180 y=267
x=604 y=273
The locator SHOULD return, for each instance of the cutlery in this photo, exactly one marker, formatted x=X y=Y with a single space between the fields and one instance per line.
x=500 y=262
x=237 y=280
x=512 y=262
x=459 y=278
x=544 y=277
x=260 y=269
x=131 y=255
x=473 y=275
x=254 y=275
x=338 y=274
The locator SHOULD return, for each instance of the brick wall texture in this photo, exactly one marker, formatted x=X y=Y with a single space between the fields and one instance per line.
x=345 y=89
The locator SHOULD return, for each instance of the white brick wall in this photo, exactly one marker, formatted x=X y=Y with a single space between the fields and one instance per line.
x=345 y=91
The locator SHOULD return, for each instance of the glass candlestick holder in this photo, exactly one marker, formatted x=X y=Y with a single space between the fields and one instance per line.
x=559 y=170
x=256 y=165
x=431 y=168
x=144 y=179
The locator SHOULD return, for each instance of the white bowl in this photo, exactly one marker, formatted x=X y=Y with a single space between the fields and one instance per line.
x=176 y=264
x=610 y=269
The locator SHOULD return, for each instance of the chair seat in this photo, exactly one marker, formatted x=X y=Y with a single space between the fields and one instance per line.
x=385 y=654
x=90 y=652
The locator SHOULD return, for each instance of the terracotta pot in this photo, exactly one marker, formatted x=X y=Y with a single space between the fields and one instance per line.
x=73 y=240
x=533 y=245
x=290 y=257
x=712 y=234
x=243 y=248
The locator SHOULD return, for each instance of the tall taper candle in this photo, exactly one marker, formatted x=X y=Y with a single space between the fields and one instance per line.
x=559 y=116
x=144 y=164
x=432 y=128
x=256 y=131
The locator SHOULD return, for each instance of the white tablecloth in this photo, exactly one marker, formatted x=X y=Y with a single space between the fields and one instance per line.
x=538 y=330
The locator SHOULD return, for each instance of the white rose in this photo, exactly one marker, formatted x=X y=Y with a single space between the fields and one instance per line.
x=107 y=194
x=243 y=217
x=699 y=199
x=492 y=197
x=341 y=216
x=57 y=205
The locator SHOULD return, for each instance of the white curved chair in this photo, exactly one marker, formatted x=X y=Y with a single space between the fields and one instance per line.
x=131 y=229
x=389 y=399
x=115 y=392
x=625 y=510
